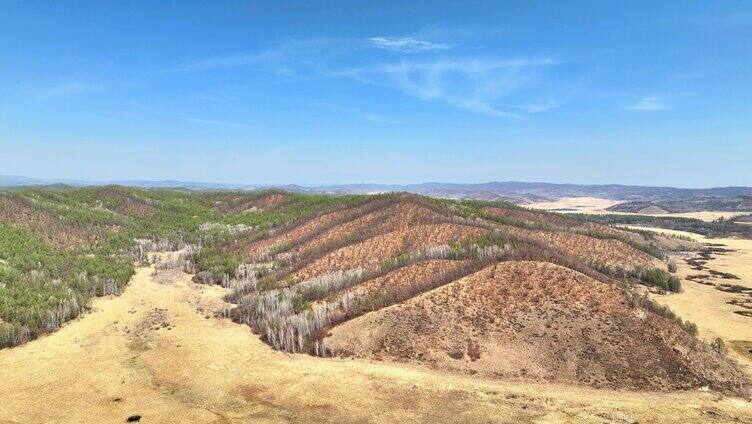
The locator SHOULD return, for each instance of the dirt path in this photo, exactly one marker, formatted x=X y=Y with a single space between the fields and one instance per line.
x=156 y=351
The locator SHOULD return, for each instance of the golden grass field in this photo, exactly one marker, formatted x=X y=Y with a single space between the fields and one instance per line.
x=157 y=351
x=706 y=306
x=598 y=206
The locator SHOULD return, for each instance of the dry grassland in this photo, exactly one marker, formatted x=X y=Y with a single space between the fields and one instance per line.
x=158 y=352
x=598 y=206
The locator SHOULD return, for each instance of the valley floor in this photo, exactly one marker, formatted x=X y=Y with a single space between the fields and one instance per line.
x=158 y=351
x=598 y=206
x=709 y=307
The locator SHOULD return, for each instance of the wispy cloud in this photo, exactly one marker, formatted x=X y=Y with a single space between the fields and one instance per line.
x=710 y=18
x=226 y=61
x=536 y=107
x=478 y=84
x=288 y=51
x=473 y=84
x=187 y=117
x=406 y=44
x=459 y=34
x=67 y=88
x=646 y=104
x=374 y=117
x=212 y=122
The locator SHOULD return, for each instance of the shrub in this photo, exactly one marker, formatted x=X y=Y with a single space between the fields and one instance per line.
x=718 y=345
x=658 y=278
x=672 y=265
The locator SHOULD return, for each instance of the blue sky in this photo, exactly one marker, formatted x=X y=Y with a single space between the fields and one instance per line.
x=651 y=93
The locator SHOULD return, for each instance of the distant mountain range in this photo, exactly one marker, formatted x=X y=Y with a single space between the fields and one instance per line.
x=536 y=192
x=517 y=192
x=19 y=181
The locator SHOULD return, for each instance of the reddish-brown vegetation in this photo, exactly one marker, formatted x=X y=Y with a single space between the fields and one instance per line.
x=392 y=217
x=372 y=252
x=537 y=321
x=243 y=202
x=15 y=211
x=610 y=252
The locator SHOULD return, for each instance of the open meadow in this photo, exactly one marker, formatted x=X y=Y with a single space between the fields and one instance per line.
x=707 y=302
x=598 y=206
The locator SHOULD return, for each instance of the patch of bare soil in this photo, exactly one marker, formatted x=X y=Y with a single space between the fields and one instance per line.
x=373 y=251
x=542 y=322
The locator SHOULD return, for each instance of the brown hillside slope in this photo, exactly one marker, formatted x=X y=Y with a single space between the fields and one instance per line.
x=606 y=251
x=382 y=220
x=300 y=231
x=562 y=222
x=376 y=215
x=373 y=251
x=537 y=321
x=404 y=278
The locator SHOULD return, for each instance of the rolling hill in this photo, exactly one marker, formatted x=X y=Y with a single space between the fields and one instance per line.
x=471 y=287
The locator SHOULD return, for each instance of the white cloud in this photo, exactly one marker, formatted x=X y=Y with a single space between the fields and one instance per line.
x=406 y=44
x=648 y=104
x=477 y=85
x=65 y=89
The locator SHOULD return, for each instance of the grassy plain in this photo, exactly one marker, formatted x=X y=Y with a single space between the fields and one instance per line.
x=598 y=206
x=707 y=306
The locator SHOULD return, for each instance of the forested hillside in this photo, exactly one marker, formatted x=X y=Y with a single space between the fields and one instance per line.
x=60 y=246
